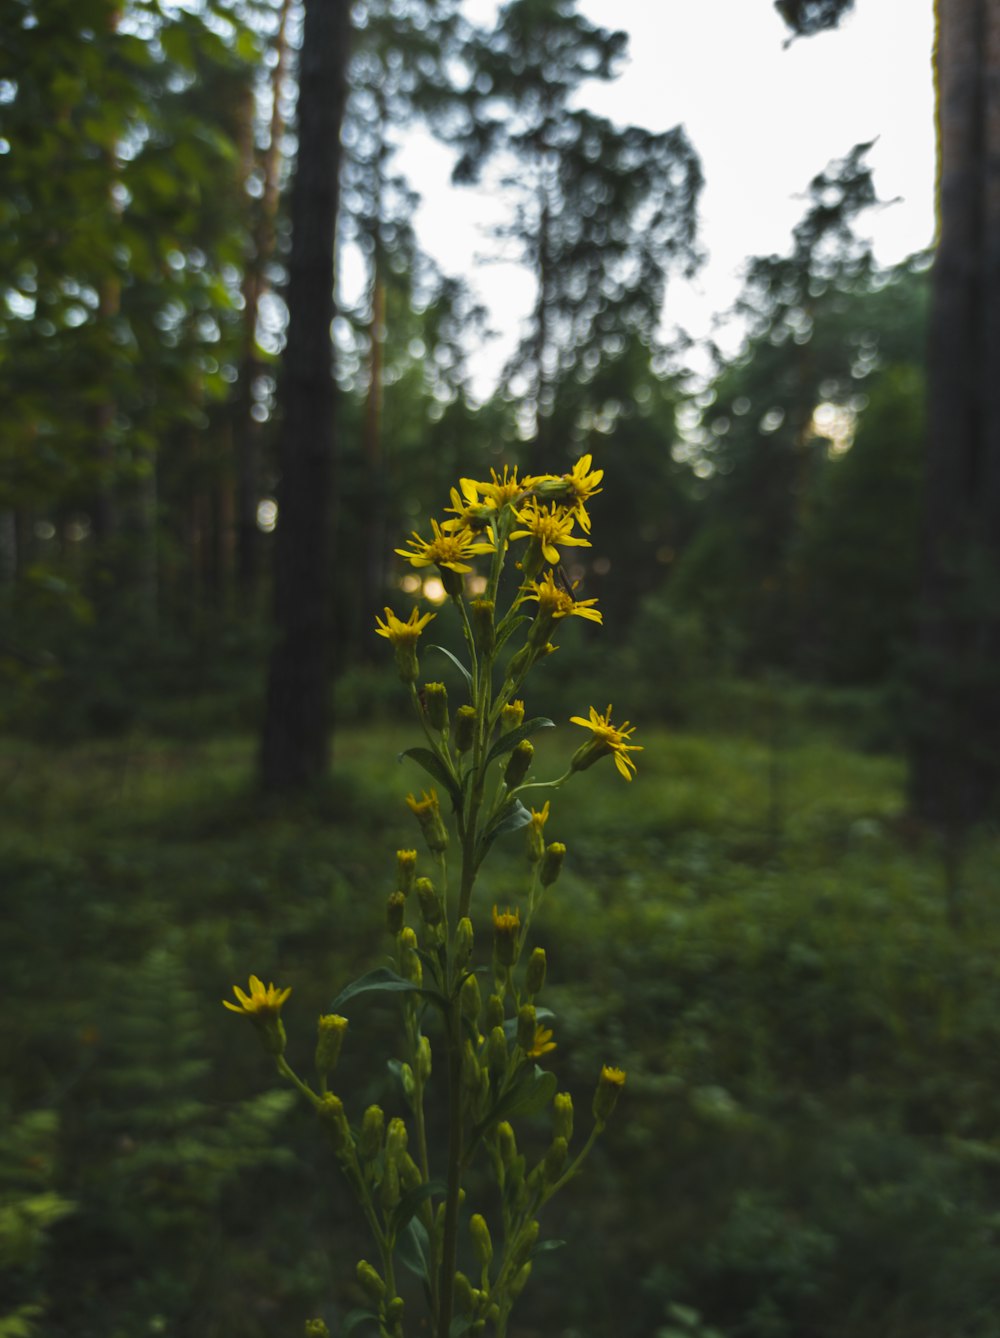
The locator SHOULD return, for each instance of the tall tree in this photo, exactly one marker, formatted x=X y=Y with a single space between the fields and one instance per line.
x=955 y=741
x=295 y=743
x=955 y=754
x=600 y=212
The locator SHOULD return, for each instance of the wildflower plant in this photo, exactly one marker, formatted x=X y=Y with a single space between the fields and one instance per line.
x=466 y=976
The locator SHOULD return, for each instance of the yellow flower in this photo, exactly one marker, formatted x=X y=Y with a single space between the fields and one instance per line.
x=427 y=812
x=558 y=603
x=503 y=489
x=609 y=1089
x=542 y=1043
x=607 y=738
x=426 y=805
x=506 y=933
x=582 y=486
x=470 y=511
x=444 y=550
x=400 y=633
x=548 y=526
x=536 y=832
x=260 y=1004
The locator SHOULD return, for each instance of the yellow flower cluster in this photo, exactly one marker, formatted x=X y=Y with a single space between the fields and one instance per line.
x=546 y=507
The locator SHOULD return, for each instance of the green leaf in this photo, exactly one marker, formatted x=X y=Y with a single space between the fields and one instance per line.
x=382 y=981
x=546 y=1246
x=411 y=1201
x=354 y=1319
x=413 y=1249
x=460 y=1324
x=433 y=765
x=508 y=742
x=456 y=662
x=510 y=819
x=531 y=1092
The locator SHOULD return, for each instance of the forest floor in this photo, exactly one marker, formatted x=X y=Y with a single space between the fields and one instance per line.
x=762 y=940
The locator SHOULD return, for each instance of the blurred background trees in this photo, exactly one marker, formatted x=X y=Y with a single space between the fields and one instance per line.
x=802 y=537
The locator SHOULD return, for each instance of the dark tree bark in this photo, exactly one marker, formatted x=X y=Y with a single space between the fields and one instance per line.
x=246 y=431
x=295 y=744
x=955 y=743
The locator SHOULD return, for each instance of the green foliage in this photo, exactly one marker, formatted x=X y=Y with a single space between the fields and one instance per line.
x=809 y=1135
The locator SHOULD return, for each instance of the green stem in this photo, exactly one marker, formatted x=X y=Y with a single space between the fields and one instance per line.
x=449 y=1244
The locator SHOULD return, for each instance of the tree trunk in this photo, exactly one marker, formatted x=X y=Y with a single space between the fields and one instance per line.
x=955 y=744
x=295 y=742
x=247 y=431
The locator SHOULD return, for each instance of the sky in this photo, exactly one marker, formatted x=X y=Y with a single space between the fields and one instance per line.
x=765 y=119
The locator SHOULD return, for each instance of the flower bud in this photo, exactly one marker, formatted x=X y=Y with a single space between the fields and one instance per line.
x=316 y=1328
x=406 y=863
x=506 y=936
x=395 y=912
x=427 y=811
x=518 y=764
x=465 y=728
x=409 y=1173
x=507 y=1144
x=555 y=1161
x=552 y=863
x=395 y=1140
x=494 y=1012
x=331 y=1030
x=463 y=943
x=483 y=628
x=372 y=1131
x=482 y=1242
x=519 y=665
x=430 y=903
x=496 y=1055
x=370 y=1282
x=511 y=717
x=526 y=1026
x=472 y=1001
x=331 y=1113
x=408 y=1082
x=562 y=1105
x=423 y=1059
x=534 y=979
x=524 y=1244
x=410 y=964
x=464 y=1299
x=394 y=1315
x=519 y=1281
x=389 y=1190
x=609 y=1089
x=435 y=699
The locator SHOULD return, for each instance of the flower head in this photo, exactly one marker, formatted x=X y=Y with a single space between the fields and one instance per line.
x=583 y=483
x=542 y=1043
x=609 y=1089
x=261 y=1004
x=607 y=738
x=506 y=934
x=450 y=551
x=400 y=633
x=536 y=832
x=427 y=811
x=548 y=526
x=503 y=488
x=469 y=511
x=555 y=602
